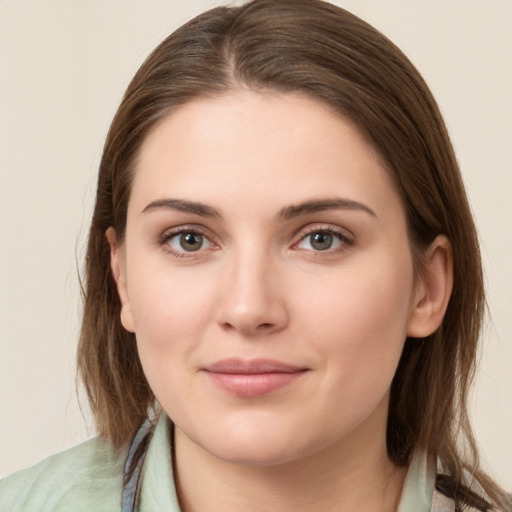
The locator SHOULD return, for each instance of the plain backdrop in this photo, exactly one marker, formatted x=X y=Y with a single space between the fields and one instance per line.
x=64 y=65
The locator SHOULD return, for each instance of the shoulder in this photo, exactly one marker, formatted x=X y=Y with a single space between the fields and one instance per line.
x=86 y=477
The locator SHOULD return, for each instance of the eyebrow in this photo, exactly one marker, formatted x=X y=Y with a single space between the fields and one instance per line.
x=320 y=205
x=286 y=213
x=182 y=205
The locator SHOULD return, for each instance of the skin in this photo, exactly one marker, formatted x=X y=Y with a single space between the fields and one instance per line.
x=262 y=285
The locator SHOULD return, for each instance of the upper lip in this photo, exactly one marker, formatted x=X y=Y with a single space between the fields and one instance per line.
x=251 y=366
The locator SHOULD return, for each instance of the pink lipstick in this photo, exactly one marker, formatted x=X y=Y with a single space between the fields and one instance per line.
x=252 y=378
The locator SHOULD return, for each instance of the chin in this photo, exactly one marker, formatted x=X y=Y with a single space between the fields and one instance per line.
x=258 y=453
x=260 y=443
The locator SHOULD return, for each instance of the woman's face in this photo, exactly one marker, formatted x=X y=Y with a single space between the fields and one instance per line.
x=267 y=274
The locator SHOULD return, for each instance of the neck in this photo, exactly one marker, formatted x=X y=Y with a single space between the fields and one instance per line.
x=353 y=475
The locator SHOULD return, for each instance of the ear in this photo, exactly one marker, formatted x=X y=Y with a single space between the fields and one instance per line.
x=118 y=266
x=433 y=289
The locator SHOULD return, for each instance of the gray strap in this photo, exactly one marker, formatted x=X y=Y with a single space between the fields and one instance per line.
x=132 y=475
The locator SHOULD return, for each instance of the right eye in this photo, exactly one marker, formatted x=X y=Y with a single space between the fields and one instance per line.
x=187 y=241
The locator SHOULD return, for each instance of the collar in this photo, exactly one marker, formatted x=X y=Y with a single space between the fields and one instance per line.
x=419 y=485
x=157 y=490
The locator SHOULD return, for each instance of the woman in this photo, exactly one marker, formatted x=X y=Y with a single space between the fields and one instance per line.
x=279 y=264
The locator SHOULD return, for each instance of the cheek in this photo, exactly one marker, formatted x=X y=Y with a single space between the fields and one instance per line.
x=170 y=308
x=361 y=318
x=170 y=312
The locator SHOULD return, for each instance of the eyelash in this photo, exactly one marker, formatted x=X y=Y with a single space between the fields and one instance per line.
x=166 y=238
x=344 y=240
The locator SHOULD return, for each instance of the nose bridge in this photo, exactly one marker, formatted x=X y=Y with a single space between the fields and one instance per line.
x=251 y=302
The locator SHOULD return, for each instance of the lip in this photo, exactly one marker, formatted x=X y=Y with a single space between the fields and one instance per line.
x=252 y=378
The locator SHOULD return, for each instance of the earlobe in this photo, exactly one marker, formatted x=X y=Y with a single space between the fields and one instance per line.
x=117 y=265
x=433 y=290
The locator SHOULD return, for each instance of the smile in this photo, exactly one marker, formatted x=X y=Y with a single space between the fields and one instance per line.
x=250 y=379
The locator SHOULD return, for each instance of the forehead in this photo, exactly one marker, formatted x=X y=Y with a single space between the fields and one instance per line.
x=244 y=146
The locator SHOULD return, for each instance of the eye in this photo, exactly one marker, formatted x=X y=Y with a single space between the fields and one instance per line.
x=187 y=241
x=323 y=240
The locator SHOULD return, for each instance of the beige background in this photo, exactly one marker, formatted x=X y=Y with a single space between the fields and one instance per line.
x=63 y=67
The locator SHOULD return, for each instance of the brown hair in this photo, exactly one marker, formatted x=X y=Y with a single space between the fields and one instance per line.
x=334 y=57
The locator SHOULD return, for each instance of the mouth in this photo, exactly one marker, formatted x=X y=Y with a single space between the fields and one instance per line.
x=252 y=378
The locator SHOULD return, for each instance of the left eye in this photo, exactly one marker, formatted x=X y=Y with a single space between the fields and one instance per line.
x=322 y=240
x=188 y=241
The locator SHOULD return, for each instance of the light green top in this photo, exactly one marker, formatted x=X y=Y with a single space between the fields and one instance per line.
x=89 y=478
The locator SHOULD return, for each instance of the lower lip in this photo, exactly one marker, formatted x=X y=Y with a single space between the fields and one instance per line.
x=253 y=385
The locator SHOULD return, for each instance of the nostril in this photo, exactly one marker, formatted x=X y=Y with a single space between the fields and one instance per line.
x=265 y=326
x=259 y=317
x=262 y=327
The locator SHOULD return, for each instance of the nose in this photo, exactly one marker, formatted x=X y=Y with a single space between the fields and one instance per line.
x=253 y=301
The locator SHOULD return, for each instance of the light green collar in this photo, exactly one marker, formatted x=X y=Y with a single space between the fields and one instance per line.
x=418 y=486
x=158 y=491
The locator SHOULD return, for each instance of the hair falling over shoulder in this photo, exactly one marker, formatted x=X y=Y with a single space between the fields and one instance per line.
x=334 y=57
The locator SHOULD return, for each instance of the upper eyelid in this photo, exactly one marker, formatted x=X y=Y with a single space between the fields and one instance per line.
x=164 y=241
x=324 y=226
x=184 y=228
x=346 y=238
x=169 y=233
